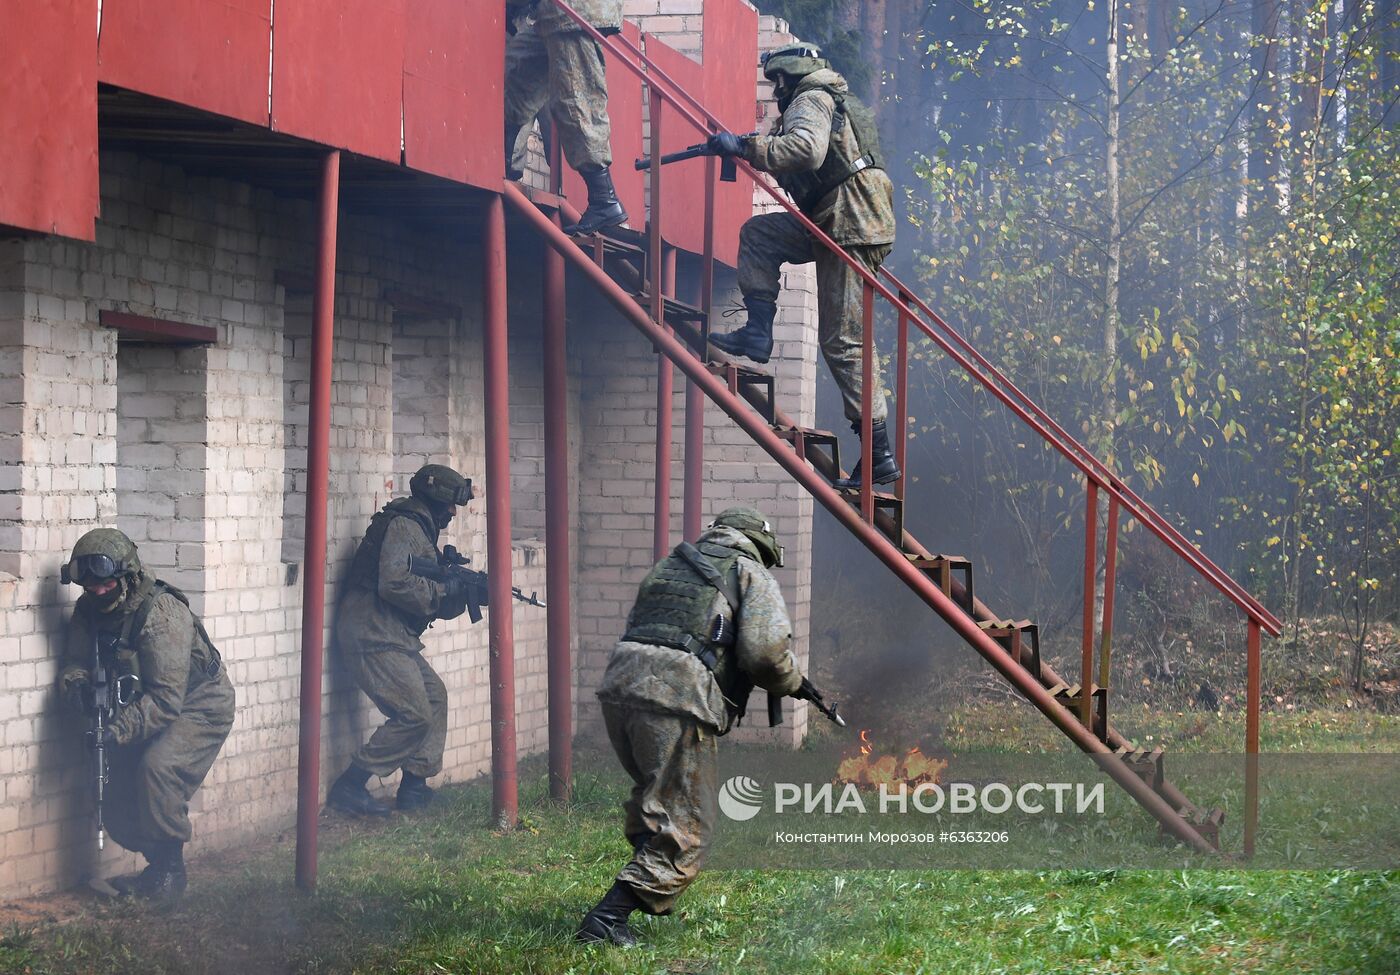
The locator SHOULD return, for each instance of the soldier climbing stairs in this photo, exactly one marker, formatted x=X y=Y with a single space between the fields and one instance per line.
x=623 y=265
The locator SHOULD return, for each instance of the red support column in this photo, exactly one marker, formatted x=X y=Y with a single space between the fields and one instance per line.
x=556 y=519
x=1091 y=556
x=1253 y=695
x=498 y=551
x=313 y=598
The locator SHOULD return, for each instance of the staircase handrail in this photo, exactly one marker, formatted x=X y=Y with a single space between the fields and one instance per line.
x=1094 y=469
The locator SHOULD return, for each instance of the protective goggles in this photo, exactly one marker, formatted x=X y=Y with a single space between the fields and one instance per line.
x=800 y=51
x=464 y=493
x=84 y=569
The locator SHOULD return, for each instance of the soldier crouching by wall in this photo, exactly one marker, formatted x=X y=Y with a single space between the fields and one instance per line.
x=709 y=625
x=379 y=623
x=178 y=708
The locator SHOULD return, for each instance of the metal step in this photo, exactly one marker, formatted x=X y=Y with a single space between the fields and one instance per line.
x=1020 y=637
x=892 y=505
x=804 y=439
x=942 y=567
x=739 y=378
x=1073 y=698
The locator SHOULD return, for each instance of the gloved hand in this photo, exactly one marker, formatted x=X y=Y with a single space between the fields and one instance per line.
x=109 y=739
x=451 y=607
x=75 y=684
x=725 y=144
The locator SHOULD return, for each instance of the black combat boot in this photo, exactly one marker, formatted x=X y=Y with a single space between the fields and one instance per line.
x=755 y=340
x=604 y=208
x=414 y=793
x=512 y=137
x=164 y=880
x=607 y=922
x=349 y=795
x=886 y=470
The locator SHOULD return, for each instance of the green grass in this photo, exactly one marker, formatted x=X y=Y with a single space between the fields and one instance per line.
x=441 y=893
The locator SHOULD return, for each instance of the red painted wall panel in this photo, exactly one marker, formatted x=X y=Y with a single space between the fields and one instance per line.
x=682 y=184
x=337 y=73
x=48 y=114
x=731 y=62
x=454 y=62
x=625 y=114
x=210 y=54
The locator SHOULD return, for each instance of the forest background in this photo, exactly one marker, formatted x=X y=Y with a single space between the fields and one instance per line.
x=1174 y=224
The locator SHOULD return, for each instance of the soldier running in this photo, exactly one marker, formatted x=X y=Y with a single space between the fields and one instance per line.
x=709 y=625
x=378 y=628
x=825 y=152
x=161 y=744
x=552 y=60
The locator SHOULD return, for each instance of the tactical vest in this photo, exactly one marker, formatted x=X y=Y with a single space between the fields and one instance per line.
x=673 y=609
x=119 y=644
x=810 y=188
x=364 y=570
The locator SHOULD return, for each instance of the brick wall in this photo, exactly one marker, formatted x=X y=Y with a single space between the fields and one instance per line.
x=200 y=453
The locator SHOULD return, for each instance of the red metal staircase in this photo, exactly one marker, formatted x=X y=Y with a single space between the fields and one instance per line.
x=628 y=269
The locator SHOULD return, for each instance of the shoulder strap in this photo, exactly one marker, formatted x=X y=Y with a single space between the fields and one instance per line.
x=137 y=620
x=701 y=564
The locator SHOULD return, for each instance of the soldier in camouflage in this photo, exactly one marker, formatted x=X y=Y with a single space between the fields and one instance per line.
x=825 y=152
x=551 y=60
x=709 y=625
x=378 y=625
x=163 y=742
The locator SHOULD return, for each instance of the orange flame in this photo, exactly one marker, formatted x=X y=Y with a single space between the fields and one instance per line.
x=914 y=769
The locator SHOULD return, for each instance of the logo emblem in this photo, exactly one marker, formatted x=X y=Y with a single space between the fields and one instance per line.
x=741 y=798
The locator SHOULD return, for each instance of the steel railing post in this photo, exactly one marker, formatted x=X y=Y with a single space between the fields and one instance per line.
x=867 y=399
x=1110 y=576
x=694 y=396
x=1091 y=539
x=1254 y=695
x=901 y=394
x=665 y=376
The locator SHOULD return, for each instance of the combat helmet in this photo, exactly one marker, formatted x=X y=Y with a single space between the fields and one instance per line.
x=796 y=61
x=439 y=484
x=756 y=529
x=102 y=554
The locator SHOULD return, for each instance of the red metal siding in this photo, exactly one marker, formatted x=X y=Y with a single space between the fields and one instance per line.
x=625 y=114
x=682 y=184
x=211 y=54
x=731 y=60
x=337 y=73
x=454 y=60
x=48 y=110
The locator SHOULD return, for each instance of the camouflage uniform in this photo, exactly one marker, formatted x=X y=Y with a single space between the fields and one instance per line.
x=664 y=710
x=378 y=624
x=553 y=61
x=858 y=215
x=168 y=736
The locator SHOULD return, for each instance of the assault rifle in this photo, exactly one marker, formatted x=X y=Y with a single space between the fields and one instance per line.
x=807 y=692
x=451 y=570
x=104 y=696
x=728 y=169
